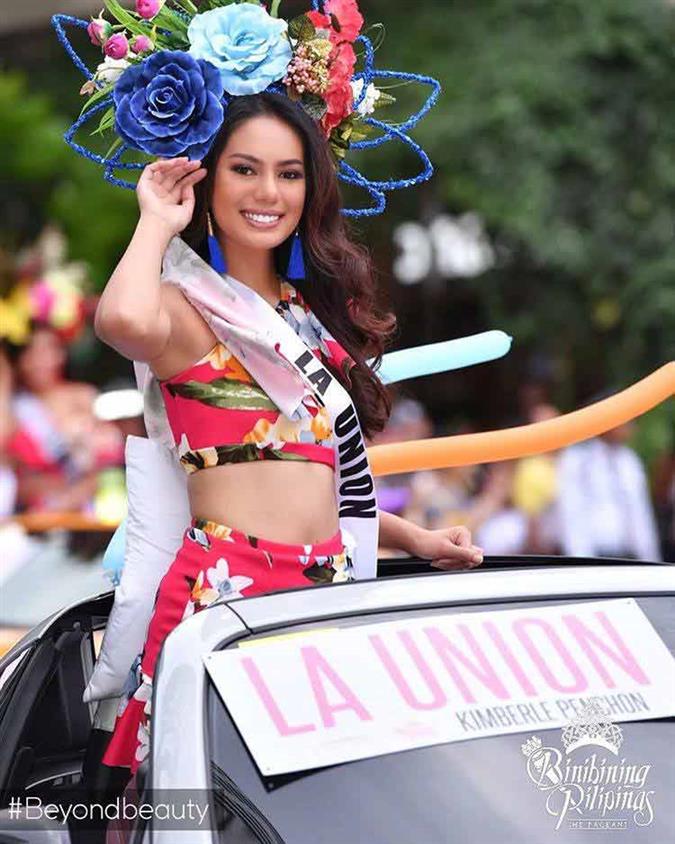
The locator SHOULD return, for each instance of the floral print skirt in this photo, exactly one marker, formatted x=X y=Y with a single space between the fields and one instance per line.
x=214 y=563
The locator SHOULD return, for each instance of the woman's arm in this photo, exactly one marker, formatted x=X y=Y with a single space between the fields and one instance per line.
x=130 y=316
x=447 y=548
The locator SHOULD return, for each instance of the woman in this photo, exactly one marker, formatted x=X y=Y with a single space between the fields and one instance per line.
x=56 y=446
x=268 y=174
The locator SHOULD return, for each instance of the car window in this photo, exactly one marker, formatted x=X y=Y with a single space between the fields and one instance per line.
x=474 y=790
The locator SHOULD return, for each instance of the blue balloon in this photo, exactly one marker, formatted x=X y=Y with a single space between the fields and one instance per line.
x=113 y=557
x=442 y=357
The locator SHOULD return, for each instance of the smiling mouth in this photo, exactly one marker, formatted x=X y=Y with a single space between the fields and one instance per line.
x=260 y=219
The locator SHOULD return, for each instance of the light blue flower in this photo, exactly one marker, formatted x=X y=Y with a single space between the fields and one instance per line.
x=248 y=46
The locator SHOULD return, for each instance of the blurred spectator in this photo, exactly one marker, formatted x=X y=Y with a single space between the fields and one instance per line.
x=604 y=505
x=518 y=514
x=535 y=490
x=121 y=405
x=664 y=502
x=442 y=497
x=409 y=420
x=7 y=476
x=502 y=528
x=48 y=434
x=57 y=447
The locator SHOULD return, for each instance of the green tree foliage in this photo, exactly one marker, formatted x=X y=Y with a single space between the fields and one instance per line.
x=42 y=179
x=556 y=125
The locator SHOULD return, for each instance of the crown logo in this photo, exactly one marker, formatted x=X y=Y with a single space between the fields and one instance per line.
x=530 y=746
x=592 y=726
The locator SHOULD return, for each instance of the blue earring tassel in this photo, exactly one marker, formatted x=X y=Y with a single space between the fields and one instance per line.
x=296 y=263
x=216 y=257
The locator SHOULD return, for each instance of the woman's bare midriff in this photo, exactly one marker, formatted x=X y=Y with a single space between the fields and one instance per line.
x=282 y=501
x=279 y=500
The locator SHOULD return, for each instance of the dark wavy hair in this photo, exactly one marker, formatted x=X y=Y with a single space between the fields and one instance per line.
x=340 y=284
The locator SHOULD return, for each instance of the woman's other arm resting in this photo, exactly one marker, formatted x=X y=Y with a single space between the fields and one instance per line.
x=447 y=548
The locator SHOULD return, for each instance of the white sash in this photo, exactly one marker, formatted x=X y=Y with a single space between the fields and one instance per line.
x=291 y=375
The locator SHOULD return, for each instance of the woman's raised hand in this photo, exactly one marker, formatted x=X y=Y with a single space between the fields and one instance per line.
x=165 y=191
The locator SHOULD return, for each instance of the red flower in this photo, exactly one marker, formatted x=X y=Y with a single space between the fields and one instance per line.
x=339 y=97
x=320 y=21
x=346 y=13
x=349 y=18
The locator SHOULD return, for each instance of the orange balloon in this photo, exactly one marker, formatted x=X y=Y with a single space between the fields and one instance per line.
x=526 y=440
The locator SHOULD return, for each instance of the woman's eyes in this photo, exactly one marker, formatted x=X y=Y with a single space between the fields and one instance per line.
x=245 y=170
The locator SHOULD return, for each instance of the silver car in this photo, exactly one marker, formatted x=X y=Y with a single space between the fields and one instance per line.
x=479 y=789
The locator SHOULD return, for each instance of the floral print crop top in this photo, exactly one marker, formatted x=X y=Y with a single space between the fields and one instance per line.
x=218 y=414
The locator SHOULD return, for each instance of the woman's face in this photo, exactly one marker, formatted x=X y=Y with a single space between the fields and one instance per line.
x=259 y=187
x=40 y=365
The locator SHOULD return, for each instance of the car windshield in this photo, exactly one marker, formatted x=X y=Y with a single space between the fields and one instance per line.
x=474 y=790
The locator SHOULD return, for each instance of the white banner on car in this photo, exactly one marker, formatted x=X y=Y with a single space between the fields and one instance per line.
x=323 y=698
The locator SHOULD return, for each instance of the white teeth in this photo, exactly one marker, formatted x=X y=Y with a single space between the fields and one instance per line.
x=261 y=218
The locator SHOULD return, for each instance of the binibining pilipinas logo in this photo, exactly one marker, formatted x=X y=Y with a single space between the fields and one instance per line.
x=592 y=792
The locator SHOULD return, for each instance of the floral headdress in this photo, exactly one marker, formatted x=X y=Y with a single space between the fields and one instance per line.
x=171 y=68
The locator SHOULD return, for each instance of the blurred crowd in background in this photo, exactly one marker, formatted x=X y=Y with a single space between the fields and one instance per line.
x=593 y=499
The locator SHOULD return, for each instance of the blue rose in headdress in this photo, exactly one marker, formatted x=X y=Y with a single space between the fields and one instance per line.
x=247 y=45
x=169 y=105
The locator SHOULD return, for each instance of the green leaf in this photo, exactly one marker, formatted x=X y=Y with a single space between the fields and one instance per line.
x=225 y=393
x=384 y=100
x=116 y=144
x=205 y=5
x=168 y=19
x=107 y=121
x=133 y=24
x=301 y=28
x=187 y=6
x=96 y=97
x=361 y=131
x=314 y=105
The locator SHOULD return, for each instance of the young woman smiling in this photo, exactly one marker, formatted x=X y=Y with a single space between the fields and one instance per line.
x=265 y=511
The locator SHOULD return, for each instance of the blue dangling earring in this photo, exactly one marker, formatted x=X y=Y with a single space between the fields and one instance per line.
x=216 y=257
x=296 y=263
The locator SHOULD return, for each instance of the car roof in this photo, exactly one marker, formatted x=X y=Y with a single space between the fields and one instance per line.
x=494 y=585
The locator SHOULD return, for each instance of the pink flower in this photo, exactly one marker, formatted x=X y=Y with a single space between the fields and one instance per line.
x=99 y=30
x=148 y=8
x=350 y=20
x=117 y=46
x=142 y=44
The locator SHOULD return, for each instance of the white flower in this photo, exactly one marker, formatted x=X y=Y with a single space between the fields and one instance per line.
x=367 y=105
x=144 y=693
x=110 y=70
x=143 y=736
x=219 y=578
